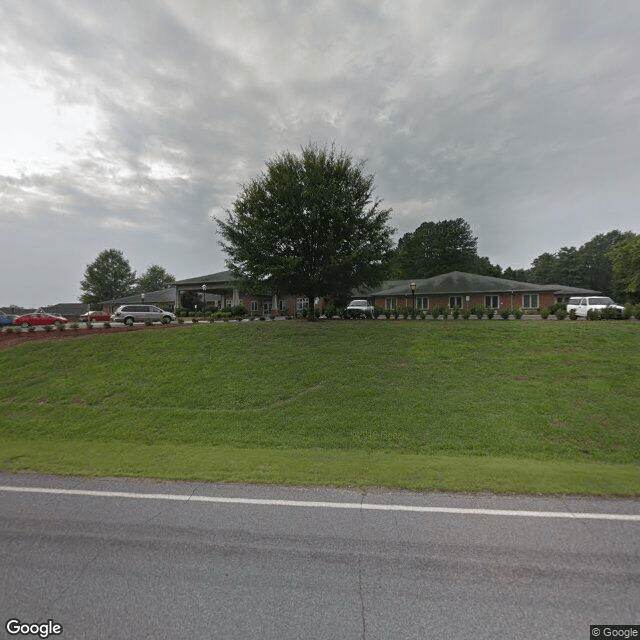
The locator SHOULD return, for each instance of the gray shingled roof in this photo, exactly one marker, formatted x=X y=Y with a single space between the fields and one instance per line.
x=150 y=297
x=460 y=282
x=220 y=276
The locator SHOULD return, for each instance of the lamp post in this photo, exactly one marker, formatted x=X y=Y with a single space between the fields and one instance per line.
x=413 y=295
x=142 y=297
x=204 y=299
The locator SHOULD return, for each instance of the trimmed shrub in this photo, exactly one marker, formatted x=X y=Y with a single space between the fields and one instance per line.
x=445 y=312
x=505 y=313
x=62 y=327
x=107 y=324
x=636 y=312
x=456 y=313
x=435 y=313
x=593 y=314
x=195 y=320
x=466 y=314
x=491 y=313
x=561 y=313
x=572 y=315
x=387 y=313
x=48 y=327
x=478 y=311
x=517 y=313
x=405 y=312
x=238 y=311
x=545 y=313
x=74 y=326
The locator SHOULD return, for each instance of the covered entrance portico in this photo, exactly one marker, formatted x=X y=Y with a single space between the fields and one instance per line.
x=215 y=291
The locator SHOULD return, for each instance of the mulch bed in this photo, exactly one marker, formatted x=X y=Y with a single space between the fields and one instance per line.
x=11 y=339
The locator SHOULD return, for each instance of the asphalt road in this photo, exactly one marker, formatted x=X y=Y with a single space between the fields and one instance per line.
x=173 y=562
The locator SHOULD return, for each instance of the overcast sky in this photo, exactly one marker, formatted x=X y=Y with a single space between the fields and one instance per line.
x=129 y=124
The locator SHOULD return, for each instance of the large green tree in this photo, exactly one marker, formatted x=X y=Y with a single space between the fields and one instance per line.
x=625 y=257
x=309 y=224
x=155 y=278
x=108 y=276
x=435 y=248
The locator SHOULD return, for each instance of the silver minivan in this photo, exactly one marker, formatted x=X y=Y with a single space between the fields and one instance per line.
x=130 y=313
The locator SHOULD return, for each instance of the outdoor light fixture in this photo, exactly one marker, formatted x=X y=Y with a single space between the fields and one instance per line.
x=142 y=297
x=413 y=294
x=204 y=298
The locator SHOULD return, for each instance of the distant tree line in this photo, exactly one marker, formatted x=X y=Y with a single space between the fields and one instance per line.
x=609 y=262
x=110 y=276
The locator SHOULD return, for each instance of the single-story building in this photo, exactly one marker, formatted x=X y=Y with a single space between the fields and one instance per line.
x=163 y=298
x=466 y=290
x=70 y=310
x=455 y=289
x=220 y=291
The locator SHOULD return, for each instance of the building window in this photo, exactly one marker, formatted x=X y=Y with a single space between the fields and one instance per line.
x=530 y=301
x=282 y=305
x=391 y=303
x=302 y=303
x=492 y=302
x=254 y=306
x=422 y=303
x=267 y=307
x=455 y=301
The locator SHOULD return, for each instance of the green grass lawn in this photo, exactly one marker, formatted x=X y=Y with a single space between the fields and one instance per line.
x=547 y=407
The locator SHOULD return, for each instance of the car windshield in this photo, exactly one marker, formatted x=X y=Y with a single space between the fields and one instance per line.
x=358 y=303
x=600 y=301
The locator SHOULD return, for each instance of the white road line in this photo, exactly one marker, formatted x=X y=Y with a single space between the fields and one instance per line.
x=324 y=505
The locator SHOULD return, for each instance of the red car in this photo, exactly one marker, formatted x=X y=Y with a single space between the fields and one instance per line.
x=95 y=316
x=39 y=317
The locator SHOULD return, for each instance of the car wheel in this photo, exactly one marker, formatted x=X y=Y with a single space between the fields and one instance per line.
x=166 y=320
x=128 y=322
x=24 y=325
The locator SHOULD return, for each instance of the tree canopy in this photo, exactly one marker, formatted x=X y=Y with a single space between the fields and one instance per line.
x=309 y=224
x=108 y=276
x=625 y=257
x=435 y=248
x=155 y=278
x=590 y=266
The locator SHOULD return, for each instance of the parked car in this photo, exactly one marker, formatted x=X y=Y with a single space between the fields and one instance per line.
x=130 y=313
x=5 y=318
x=39 y=318
x=95 y=316
x=360 y=309
x=596 y=303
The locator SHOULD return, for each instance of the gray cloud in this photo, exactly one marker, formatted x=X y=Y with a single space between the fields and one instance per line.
x=520 y=117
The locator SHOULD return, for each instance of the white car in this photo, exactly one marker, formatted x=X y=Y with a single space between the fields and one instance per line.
x=360 y=309
x=596 y=303
x=130 y=313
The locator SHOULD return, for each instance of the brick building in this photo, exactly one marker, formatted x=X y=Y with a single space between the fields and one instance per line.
x=466 y=290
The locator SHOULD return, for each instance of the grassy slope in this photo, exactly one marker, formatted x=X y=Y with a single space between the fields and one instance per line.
x=507 y=406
